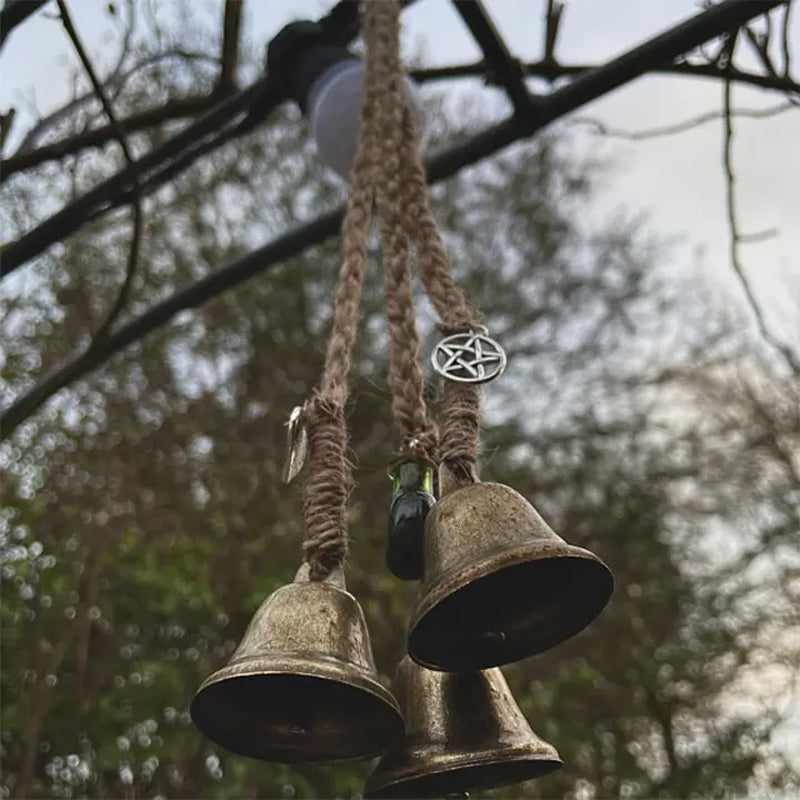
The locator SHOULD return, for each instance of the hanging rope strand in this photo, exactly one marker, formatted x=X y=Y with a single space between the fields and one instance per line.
x=329 y=479
x=406 y=198
x=418 y=432
x=436 y=272
x=388 y=153
x=459 y=419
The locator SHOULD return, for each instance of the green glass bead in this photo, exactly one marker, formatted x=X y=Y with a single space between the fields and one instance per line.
x=411 y=502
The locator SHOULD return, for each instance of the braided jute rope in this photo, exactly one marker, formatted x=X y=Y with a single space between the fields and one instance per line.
x=419 y=435
x=386 y=169
x=329 y=477
x=459 y=418
x=404 y=199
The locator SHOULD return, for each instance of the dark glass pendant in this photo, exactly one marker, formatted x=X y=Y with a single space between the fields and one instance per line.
x=412 y=500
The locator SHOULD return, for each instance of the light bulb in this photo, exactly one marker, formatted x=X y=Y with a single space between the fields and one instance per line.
x=334 y=103
x=326 y=81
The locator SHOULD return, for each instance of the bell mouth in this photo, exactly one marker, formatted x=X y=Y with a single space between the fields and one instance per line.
x=292 y=710
x=447 y=774
x=513 y=604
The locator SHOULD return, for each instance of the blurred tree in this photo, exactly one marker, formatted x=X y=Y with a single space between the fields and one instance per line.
x=143 y=519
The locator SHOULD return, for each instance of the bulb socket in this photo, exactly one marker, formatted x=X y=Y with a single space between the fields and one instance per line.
x=298 y=55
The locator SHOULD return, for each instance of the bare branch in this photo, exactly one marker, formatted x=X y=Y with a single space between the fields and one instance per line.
x=736 y=238
x=189 y=106
x=133 y=174
x=552 y=21
x=229 y=58
x=584 y=89
x=760 y=44
x=60 y=114
x=6 y=121
x=684 y=125
x=179 y=108
x=14 y=13
x=554 y=71
x=758 y=236
x=787 y=54
x=25 y=153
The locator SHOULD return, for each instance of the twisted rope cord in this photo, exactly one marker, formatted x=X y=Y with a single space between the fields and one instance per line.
x=329 y=478
x=388 y=154
x=459 y=419
x=404 y=204
x=419 y=435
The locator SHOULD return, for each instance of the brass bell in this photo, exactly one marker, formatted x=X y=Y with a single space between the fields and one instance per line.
x=464 y=732
x=499 y=583
x=301 y=687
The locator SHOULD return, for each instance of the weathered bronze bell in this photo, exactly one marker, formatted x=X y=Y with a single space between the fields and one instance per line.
x=464 y=732
x=301 y=687
x=499 y=583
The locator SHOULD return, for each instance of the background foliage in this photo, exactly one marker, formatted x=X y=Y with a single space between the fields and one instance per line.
x=143 y=519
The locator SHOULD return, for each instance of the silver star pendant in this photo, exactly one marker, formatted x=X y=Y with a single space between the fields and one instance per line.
x=469 y=358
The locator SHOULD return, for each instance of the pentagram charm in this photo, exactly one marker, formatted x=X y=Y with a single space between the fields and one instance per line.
x=469 y=358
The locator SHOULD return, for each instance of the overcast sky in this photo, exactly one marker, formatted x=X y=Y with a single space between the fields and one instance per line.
x=677 y=181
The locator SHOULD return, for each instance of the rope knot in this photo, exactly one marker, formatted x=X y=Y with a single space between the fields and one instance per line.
x=326 y=488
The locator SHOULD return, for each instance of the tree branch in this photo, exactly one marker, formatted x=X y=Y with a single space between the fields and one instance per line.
x=260 y=97
x=192 y=105
x=133 y=174
x=97 y=137
x=787 y=53
x=552 y=20
x=584 y=89
x=229 y=57
x=736 y=237
x=554 y=71
x=63 y=113
x=25 y=158
x=14 y=13
x=684 y=125
x=256 y=103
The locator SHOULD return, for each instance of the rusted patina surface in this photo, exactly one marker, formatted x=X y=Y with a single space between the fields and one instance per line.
x=499 y=583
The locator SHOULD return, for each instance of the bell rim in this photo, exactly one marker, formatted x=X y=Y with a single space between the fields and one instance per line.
x=507 y=557
x=544 y=755
x=328 y=669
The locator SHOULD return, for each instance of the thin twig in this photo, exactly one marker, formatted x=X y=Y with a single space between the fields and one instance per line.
x=736 y=237
x=179 y=108
x=684 y=125
x=229 y=57
x=761 y=45
x=133 y=174
x=787 y=54
x=552 y=20
x=27 y=153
